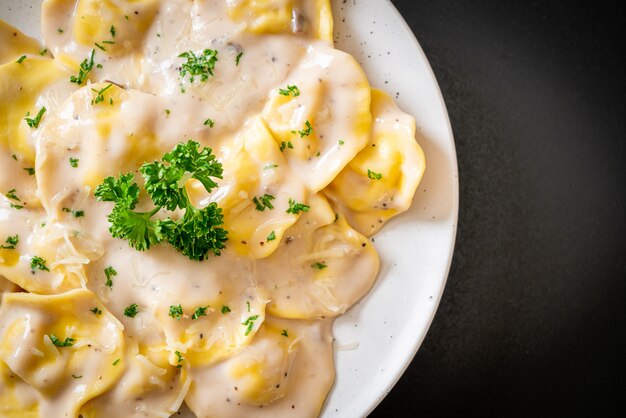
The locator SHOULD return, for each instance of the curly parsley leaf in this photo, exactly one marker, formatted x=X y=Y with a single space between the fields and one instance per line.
x=197 y=233
x=164 y=180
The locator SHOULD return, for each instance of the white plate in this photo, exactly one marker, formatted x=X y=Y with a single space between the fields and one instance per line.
x=378 y=337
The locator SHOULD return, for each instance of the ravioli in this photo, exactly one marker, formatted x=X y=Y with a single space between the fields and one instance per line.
x=379 y=183
x=67 y=351
x=288 y=367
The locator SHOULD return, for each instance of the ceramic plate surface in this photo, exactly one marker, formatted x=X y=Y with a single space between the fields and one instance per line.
x=378 y=337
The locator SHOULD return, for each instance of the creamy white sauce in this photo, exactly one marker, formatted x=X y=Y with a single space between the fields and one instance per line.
x=262 y=345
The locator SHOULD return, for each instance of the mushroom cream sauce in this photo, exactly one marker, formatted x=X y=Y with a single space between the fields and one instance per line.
x=86 y=322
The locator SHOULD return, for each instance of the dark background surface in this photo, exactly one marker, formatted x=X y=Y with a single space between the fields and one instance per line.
x=532 y=321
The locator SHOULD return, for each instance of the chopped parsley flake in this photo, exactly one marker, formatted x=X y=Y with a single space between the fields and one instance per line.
x=11 y=242
x=38 y=263
x=270 y=166
x=292 y=91
x=341 y=142
x=34 y=122
x=132 y=310
x=319 y=266
x=285 y=333
x=96 y=310
x=210 y=123
x=75 y=213
x=59 y=30
x=248 y=305
x=167 y=112
x=284 y=145
x=11 y=195
x=307 y=130
x=109 y=272
x=201 y=65
x=14 y=206
x=43 y=52
x=100 y=95
x=179 y=357
x=239 y=55
x=85 y=67
x=21 y=60
x=176 y=312
x=68 y=342
x=271 y=236
x=249 y=323
x=116 y=362
x=263 y=202
x=374 y=175
x=225 y=309
x=200 y=311
x=99 y=46
x=112 y=30
x=295 y=207
x=77 y=377
x=74 y=162
x=30 y=171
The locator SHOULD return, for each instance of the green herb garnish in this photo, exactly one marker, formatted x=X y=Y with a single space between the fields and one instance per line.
x=200 y=311
x=100 y=94
x=374 y=175
x=68 y=342
x=307 y=130
x=271 y=236
x=295 y=207
x=319 y=266
x=132 y=310
x=74 y=162
x=201 y=65
x=292 y=91
x=21 y=59
x=109 y=272
x=11 y=242
x=176 y=312
x=85 y=67
x=34 y=122
x=249 y=323
x=225 y=309
x=197 y=232
x=38 y=263
x=263 y=202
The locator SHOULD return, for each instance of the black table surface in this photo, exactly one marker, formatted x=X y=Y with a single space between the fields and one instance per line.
x=532 y=321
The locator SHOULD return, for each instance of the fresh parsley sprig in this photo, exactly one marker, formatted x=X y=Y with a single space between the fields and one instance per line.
x=197 y=233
